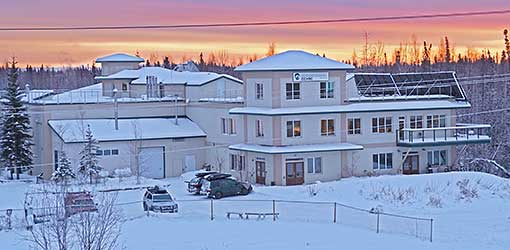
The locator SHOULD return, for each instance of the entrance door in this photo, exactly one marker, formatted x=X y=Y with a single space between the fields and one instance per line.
x=411 y=164
x=189 y=163
x=260 y=170
x=151 y=162
x=295 y=173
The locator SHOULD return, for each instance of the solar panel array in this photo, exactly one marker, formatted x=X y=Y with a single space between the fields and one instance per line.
x=409 y=84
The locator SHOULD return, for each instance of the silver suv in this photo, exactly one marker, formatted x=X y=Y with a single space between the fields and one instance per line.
x=158 y=199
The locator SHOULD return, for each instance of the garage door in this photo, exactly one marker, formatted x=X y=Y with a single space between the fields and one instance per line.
x=152 y=163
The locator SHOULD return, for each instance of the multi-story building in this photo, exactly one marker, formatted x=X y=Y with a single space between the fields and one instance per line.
x=307 y=119
x=297 y=118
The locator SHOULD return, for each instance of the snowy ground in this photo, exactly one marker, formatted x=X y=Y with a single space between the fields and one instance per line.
x=470 y=211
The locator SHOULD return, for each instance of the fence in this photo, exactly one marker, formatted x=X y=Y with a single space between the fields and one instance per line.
x=302 y=211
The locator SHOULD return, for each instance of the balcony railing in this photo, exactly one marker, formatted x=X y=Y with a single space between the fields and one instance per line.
x=460 y=134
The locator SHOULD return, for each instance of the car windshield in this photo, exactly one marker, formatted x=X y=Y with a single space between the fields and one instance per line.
x=162 y=197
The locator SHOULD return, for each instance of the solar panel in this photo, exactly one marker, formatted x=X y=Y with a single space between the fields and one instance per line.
x=409 y=84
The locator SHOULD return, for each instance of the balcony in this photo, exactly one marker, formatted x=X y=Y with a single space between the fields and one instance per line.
x=460 y=134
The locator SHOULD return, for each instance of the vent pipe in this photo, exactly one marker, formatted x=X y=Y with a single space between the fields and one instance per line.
x=116 y=108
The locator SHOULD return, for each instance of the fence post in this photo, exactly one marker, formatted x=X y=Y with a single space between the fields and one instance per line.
x=274 y=210
x=212 y=211
x=431 y=221
x=377 y=222
x=334 y=212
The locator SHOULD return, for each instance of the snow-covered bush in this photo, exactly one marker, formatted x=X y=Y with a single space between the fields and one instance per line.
x=122 y=172
x=435 y=201
x=312 y=189
x=467 y=191
x=392 y=194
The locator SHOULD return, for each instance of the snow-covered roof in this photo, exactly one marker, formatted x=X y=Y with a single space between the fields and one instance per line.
x=355 y=107
x=119 y=57
x=294 y=60
x=296 y=148
x=167 y=76
x=129 y=129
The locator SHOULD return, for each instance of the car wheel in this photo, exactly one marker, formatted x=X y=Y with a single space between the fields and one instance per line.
x=218 y=195
x=244 y=191
x=144 y=207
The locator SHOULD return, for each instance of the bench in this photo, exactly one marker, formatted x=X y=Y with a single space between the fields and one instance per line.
x=235 y=213
x=260 y=216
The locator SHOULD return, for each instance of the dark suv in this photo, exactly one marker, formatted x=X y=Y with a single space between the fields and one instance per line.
x=222 y=187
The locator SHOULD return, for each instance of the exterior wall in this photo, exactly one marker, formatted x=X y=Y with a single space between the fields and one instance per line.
x=139 y=90
x=108 y=68
x=310 y=129
x=173 y=154
x=219 y=88
x=43 y=153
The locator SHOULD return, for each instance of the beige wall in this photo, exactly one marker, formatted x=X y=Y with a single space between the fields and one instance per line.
x=219 y=88
x=108 y=68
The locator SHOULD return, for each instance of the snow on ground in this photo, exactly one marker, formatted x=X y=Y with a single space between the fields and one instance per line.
x=470 y=211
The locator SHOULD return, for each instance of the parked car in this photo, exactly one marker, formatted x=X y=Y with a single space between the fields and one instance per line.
x=79 y=202
x=222 y=187
x=158 y=199
x=195 y=184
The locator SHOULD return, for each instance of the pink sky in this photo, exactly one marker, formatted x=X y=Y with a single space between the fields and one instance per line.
x=336 y=40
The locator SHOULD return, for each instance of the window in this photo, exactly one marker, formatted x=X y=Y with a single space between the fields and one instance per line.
x=381 y=125
x=107 y=152
x=327 y=90
x=436 y=121
x=228 y=126
x=382 y=161
x=354 y=126
x=259 y=128
x=327 y=127
x=124 y=87
x=115 y=152
x=99 y=152
x=416 y=121
x=259 y=91
x=237 y=162
x=55 y=158
x=293 y=128
x=292 y=91
x=314 y=165
x=437 y=157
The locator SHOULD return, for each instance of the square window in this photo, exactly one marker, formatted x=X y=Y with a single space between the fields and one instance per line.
x=115 y=152
x=99 y=152
x=107 y=152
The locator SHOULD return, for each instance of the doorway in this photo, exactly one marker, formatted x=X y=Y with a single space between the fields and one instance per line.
x=260 y=172
x=411 y=164
x=295 y=172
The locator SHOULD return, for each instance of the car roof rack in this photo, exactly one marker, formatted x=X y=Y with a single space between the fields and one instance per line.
x=217 y=176
x=202 y=174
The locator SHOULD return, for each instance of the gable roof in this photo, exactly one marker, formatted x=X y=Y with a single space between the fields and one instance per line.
x=167 y=76
x=119 y=57
x=294 y=60
x=129 y=129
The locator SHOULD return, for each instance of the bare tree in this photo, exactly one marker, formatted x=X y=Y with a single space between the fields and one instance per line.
x=135 y=148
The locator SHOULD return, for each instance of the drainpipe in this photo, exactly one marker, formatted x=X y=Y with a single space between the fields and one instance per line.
x=116 y=108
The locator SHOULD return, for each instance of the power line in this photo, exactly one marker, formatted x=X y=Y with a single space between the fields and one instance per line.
x=268 y=23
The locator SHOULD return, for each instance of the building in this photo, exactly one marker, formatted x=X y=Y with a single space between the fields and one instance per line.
x=295 y=118
x=307 y=119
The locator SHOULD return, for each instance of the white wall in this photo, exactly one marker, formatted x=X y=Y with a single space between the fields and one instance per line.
x=219 y=88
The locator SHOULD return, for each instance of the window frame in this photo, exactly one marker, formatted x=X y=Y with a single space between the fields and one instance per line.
x=259 y=128
x=382 y=125
x=295 y=131
x=259 y=91
x=314 y=165
x=352 y=129
x=382 y=161
x=294 y=93
x=329 y=127
x=327 y=91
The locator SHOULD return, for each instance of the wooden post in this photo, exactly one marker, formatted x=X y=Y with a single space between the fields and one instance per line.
x=274 y=210
x=377 y=222
x=431 y=222
x=212 y=210
x=334 y=212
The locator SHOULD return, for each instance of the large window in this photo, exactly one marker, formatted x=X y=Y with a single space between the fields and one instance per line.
x=416 y=121
x=354 y=126
x=259 y=128
x=314 y=165
x=381 y=125
x=237 y=162
x=228 y=126
x=382 y=161
x=437 y=157
x=436 y=121
x=293 y=128
x=259 y=91
x=292 y=91
x=327 y=90
x=327 y=127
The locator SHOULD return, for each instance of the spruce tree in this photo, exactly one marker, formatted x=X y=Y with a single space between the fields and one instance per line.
x=89 y=165
x=15 y=133
x=64 y=171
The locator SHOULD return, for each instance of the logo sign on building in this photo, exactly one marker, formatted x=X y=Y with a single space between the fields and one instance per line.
x=310 y=76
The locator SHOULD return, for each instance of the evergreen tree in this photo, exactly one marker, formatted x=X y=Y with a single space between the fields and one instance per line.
x=448 y=56
x=64 y=171
x=15 y=132
x=166 y=63
x=89 y=166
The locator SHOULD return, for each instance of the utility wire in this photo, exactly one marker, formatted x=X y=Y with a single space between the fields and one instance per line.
x=268 y=23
